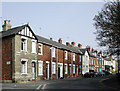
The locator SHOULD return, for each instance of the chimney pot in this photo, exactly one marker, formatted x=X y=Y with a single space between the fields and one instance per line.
x=60 y=40
x=92 y=50
x=73 y=43
x=51 y=39
x=6 y=25
x=79 y=45
x=67 y=43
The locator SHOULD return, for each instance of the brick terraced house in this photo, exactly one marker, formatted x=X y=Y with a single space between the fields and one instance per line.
x=30 y=57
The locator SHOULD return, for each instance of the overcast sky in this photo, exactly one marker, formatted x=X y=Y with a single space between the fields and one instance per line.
x=71 y=21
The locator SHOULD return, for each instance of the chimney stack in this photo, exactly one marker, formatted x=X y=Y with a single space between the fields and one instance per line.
x=88 y=48
x=6 y=25
x=67 y=43
x=79 y=45
x=73 y=44
x=51 y=39
x=60 y=40
x=92 y=50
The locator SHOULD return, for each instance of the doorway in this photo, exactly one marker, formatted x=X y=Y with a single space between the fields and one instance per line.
x=47 y=70
x=33 y=70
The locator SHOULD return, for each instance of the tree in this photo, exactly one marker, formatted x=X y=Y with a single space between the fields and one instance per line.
x=107 y=24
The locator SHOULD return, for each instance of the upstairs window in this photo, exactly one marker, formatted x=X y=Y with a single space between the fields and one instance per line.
x=65 y=55
x=23 y=44
x=33 y=46
x=40 y=49
x=73 y=56
x=53 y=52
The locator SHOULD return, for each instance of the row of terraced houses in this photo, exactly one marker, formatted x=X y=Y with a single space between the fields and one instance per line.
x=30 y=57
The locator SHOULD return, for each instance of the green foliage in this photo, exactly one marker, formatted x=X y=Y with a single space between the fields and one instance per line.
x=107 y=24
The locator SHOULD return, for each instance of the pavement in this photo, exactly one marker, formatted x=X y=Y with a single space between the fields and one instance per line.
x=112 y=81
x=103 y=83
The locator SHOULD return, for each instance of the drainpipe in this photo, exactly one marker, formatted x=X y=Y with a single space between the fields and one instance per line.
x=51 y=62
x=71 y=64
x=63 y=64
x=57 y=65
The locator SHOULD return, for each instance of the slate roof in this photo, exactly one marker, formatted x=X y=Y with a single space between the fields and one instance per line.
x=58 y=45
x=43 y=40
x=12 y=31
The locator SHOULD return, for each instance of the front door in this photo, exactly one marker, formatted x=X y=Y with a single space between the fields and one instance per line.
x=77 y=71
x=33 y=70
x=58 y=72
x=47 y=70
x=69 y=70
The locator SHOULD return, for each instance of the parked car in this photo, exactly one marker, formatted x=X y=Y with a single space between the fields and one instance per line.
x=106 y=72
x=91 y=74
x=87 y=74
x=118 y=73
x=95 y=74
x=101 y=73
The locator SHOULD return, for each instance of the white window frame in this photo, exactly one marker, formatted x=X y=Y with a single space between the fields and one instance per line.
x=53 y=70
x=34 y=41
x=26 y=69
x=41 y=48
x=80 y=58
x=65 y=55
x=66 y=69
x=73 y=69
x=73 y=56
x=24 y=49
x=40 y=62
x=53 y=52
x=92 y=62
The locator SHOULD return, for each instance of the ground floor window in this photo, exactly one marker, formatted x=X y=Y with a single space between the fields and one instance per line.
x=53 y=67
x=40 y=67
x=73 y=69
x=24 y=66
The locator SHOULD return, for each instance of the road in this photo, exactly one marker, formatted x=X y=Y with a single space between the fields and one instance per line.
x=71 y=83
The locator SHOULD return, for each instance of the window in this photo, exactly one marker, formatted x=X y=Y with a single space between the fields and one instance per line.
x=66 y=68
x=53 y=67
x=73 y=69
x=40 y=49
x=73 y=56
x=23 y=44
x=65 y=55
x=24 y=66
x=40 y=67
x=33 y=46
x=80 y=58
x=92 y=62
x=53 y=52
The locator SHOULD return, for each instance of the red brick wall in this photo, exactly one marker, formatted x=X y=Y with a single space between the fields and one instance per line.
x=45 y=57
x=7 y=56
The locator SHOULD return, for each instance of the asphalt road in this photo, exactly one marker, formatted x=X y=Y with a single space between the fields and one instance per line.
x=71 y=83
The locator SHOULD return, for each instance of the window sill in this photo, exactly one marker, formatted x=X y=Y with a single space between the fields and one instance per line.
x=40 y=74
x=40 y=54
x=33 y=52
x=23 y=73
x=53 y=73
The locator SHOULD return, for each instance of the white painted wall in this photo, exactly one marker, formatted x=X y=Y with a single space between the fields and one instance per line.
x=85 y=63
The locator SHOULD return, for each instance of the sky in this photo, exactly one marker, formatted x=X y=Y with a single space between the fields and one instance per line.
x=70 y=21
